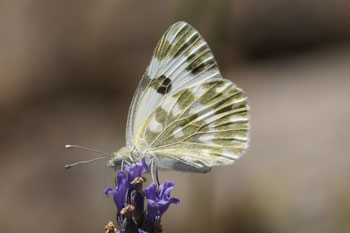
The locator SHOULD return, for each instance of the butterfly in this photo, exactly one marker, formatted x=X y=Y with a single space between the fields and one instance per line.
x=184 y=115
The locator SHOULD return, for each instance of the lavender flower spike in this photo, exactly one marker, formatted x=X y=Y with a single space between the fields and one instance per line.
x=136 y=170
x=159 y=202
x=120 y=192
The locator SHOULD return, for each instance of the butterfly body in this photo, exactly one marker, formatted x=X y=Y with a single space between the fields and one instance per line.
x=184 y=115
x=162 y=163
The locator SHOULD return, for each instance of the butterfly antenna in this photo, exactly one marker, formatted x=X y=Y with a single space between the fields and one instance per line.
x=89 y=149
x=87 y=161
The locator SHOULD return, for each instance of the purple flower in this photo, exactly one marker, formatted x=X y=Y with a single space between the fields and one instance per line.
x=158 y=202
x=136 y=170
x=129 y=193
x=120 y=191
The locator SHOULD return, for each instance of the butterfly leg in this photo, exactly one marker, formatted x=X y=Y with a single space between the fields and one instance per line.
x=121 y=168
x=152 y=172
x=152 y=166
x=122 y=165
x=157 y=177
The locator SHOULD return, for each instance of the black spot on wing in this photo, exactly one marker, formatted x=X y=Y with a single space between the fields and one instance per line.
x=198 y=67
x=208 y=65
x=164 y=84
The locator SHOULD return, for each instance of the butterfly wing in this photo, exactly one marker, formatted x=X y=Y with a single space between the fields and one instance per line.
x=183 y=109
x=181 y=58
x=203 y=125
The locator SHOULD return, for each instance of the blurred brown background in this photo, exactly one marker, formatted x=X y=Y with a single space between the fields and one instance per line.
x=68 y=71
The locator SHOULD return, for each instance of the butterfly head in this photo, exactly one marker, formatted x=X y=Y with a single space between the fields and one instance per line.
x=118 y=157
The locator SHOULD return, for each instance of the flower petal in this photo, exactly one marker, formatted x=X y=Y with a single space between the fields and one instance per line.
x=175 y=201
x=158 y=203
x=121 y=179
x=152 y=209
x=165 y=189
x=144 y=166
x=151 y=192
x=136 y=170
x=108 y=191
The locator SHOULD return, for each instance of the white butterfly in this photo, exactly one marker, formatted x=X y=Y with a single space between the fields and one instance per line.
x=184 y=115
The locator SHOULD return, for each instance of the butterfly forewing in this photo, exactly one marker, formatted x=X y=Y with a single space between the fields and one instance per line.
x=181 y=58
x=183 y=109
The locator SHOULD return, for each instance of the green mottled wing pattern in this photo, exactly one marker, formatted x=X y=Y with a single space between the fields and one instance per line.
x=203 y=125
x=181 y=59
x=183 y=109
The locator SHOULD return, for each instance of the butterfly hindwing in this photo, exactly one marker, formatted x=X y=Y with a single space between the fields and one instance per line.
x=181 y=58
x=203 y=125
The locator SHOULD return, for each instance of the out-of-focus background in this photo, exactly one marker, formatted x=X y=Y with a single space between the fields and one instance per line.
x=68 y=71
